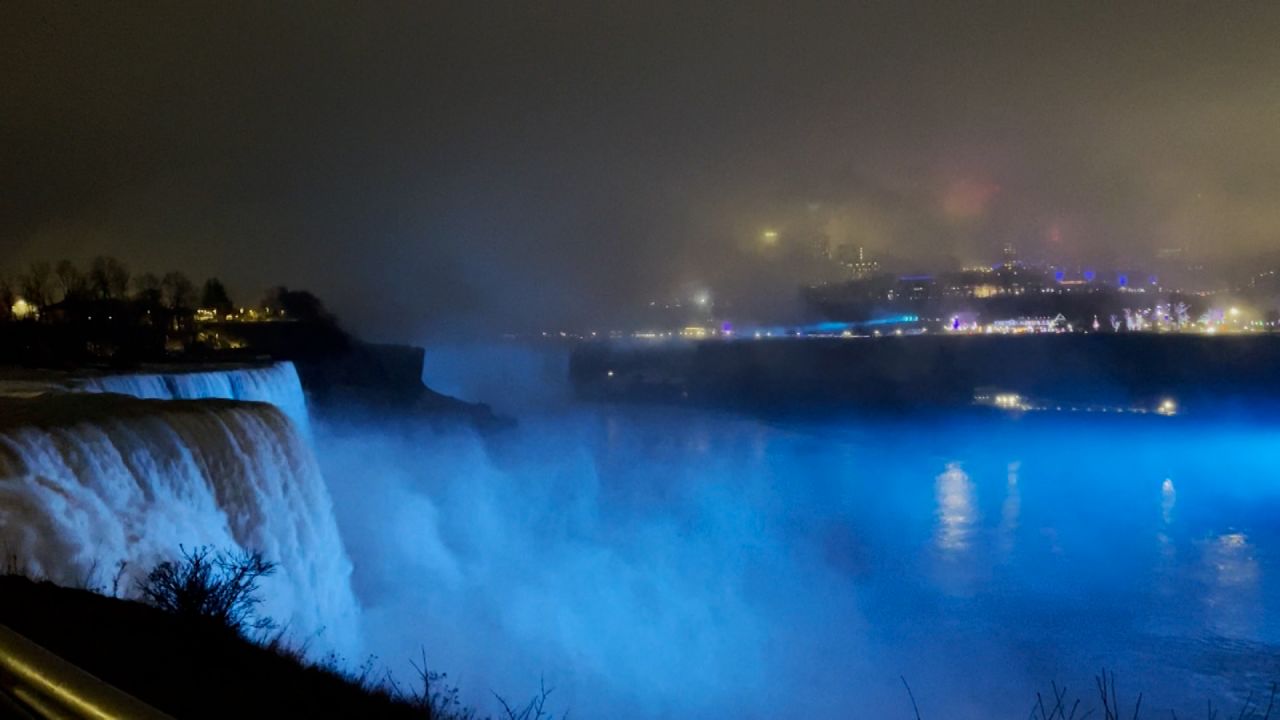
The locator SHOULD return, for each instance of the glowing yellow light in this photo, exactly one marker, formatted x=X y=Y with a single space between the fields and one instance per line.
x=1167 y=407
x=1008 y=400
x=22 y=309
x=770 y=237
x=1235 y=312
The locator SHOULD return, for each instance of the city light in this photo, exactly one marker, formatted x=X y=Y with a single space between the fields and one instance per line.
x=22 y=309
x=1010 y=401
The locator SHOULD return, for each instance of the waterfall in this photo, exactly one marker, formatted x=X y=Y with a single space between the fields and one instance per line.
x=276 y=384
x=90 y=479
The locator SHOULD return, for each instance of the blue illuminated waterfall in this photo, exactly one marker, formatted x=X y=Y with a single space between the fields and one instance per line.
x=91 y=479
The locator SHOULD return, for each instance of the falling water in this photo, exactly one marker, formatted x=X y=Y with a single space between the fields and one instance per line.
x=91 y=480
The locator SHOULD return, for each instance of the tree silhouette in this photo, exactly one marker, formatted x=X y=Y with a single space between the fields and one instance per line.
x=108 y=278
x=36 y=285
x=70 y=281
x=147 y=288
x=7 y=298
x=215 y=296
x=179 y=293
x=298 y=305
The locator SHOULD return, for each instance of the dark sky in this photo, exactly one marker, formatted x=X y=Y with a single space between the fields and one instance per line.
x=435 y=166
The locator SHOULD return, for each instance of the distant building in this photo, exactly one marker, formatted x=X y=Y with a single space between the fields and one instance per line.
x=1009 y=255
x=859 y=265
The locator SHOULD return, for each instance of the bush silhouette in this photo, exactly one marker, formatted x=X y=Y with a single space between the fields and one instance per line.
x=219 y=587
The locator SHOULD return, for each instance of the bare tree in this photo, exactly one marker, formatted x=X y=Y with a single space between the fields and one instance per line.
x=71 y=282
x=7 y=297
x=221 y=587
x=148 y=288
x=37 y=284
x=108 y=278
x=179 y=293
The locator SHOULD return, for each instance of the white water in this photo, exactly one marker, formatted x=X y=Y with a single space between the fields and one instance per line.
x=277 y=384
x=88 y=481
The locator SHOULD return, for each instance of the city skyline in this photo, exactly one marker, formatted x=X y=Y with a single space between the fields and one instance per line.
x=519 y=164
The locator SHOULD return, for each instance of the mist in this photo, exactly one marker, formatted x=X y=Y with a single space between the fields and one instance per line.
x=651 y=562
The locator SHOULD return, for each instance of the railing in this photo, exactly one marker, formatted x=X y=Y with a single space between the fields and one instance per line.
x=35 y=683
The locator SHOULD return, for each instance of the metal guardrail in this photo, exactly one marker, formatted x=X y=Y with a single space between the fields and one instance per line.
x=35 y=683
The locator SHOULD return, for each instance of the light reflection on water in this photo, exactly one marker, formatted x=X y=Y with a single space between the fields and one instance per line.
x=956 y=512
x=1232 y=599
x=981 y=557
x=1038 y=550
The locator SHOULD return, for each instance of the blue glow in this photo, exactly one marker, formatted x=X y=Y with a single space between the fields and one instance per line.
x=707 y=524
x=895 y=320
x=1089 y=275
x=831 y=327
x=1059 y=275
x=1122 y=280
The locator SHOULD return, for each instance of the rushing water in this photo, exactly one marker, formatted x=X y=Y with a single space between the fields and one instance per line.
x=677 y=563
x=667 y=562
x=97 y=488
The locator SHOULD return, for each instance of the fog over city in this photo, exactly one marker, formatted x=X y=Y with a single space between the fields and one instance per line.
x=466 y=168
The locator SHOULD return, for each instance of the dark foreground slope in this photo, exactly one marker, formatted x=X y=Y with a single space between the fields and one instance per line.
x=186 y=670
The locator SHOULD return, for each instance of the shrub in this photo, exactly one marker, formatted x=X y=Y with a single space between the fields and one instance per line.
x=219 y=587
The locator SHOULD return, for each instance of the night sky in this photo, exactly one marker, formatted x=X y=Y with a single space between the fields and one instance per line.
x=441 y=167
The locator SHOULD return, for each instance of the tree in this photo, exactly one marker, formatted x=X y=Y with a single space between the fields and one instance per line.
x=148 y=289
x=71 y=282
x=221 y=587
x=297 y=305
x=179 y=293
x=215 y=296
x=7 y=297
x=36 y=285
x=108 y=278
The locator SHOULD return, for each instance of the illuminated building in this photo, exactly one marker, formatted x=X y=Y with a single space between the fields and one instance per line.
x=858 y=264
x=1009 y=256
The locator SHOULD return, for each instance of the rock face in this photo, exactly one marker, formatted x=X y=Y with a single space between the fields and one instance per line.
x=369 y=379
x=345 y=376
